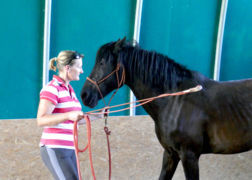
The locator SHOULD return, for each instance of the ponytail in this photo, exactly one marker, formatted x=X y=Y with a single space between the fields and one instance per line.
x=52 y=64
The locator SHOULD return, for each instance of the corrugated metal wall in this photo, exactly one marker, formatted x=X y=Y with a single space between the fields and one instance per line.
x=21 y=51
x=185 y=30
x=237 y=44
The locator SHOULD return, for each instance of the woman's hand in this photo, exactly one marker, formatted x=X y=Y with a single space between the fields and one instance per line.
x=75 y=115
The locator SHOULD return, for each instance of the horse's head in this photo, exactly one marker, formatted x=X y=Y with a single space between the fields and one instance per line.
x=106 y=74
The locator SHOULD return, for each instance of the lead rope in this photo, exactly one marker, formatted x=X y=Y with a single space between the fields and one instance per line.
x=88 y=146
x=107 y=132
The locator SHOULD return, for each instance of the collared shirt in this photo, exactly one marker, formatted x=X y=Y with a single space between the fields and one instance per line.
x=65 y=100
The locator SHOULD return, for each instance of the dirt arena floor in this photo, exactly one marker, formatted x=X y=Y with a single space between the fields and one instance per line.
x=136 y=153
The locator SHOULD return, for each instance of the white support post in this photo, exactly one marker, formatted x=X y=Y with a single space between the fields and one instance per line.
x=219 y=44
x=137 y=26
x=46 y=45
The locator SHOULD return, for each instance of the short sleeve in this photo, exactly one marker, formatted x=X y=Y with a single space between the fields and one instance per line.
x=50 y=93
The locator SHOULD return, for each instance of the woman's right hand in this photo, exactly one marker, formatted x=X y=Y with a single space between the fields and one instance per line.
x=75 y=115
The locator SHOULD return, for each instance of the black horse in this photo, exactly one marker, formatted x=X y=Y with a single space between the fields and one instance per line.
x=217 y=119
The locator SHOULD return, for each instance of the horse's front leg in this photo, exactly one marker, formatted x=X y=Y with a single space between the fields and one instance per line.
x=190 y=162
x=170 y=162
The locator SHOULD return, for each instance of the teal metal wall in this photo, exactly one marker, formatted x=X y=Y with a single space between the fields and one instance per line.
x=185 y=30
x=237 y=44
x=21 y=50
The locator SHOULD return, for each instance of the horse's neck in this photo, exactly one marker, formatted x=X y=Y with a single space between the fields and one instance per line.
x=178 y=77
x=144 y=90
x=141 y=90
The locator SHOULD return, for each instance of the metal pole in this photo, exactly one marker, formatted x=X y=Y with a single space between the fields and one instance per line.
x=218 y=52
x=137 y=26
x=46 y=45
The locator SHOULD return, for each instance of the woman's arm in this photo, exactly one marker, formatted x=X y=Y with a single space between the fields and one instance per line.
x=46 y=118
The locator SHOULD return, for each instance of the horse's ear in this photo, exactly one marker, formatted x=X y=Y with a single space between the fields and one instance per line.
x=118 y=45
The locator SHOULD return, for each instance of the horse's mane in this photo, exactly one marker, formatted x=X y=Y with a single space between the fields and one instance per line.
x=153 y=68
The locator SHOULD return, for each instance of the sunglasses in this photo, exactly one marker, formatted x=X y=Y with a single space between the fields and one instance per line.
x=77 y=55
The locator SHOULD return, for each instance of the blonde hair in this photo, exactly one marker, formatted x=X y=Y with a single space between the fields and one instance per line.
x=64 y=58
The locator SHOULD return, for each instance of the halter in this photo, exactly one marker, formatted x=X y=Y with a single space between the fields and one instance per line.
x=119 y=82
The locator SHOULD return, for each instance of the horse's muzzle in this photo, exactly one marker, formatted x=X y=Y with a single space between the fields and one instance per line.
x=89 y=99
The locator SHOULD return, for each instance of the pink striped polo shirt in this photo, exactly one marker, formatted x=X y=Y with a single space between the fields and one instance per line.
x=65 y=100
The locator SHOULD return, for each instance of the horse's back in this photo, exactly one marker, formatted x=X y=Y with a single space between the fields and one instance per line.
x=229 y=127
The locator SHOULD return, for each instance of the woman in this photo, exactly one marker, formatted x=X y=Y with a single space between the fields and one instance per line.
x=57 y=111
